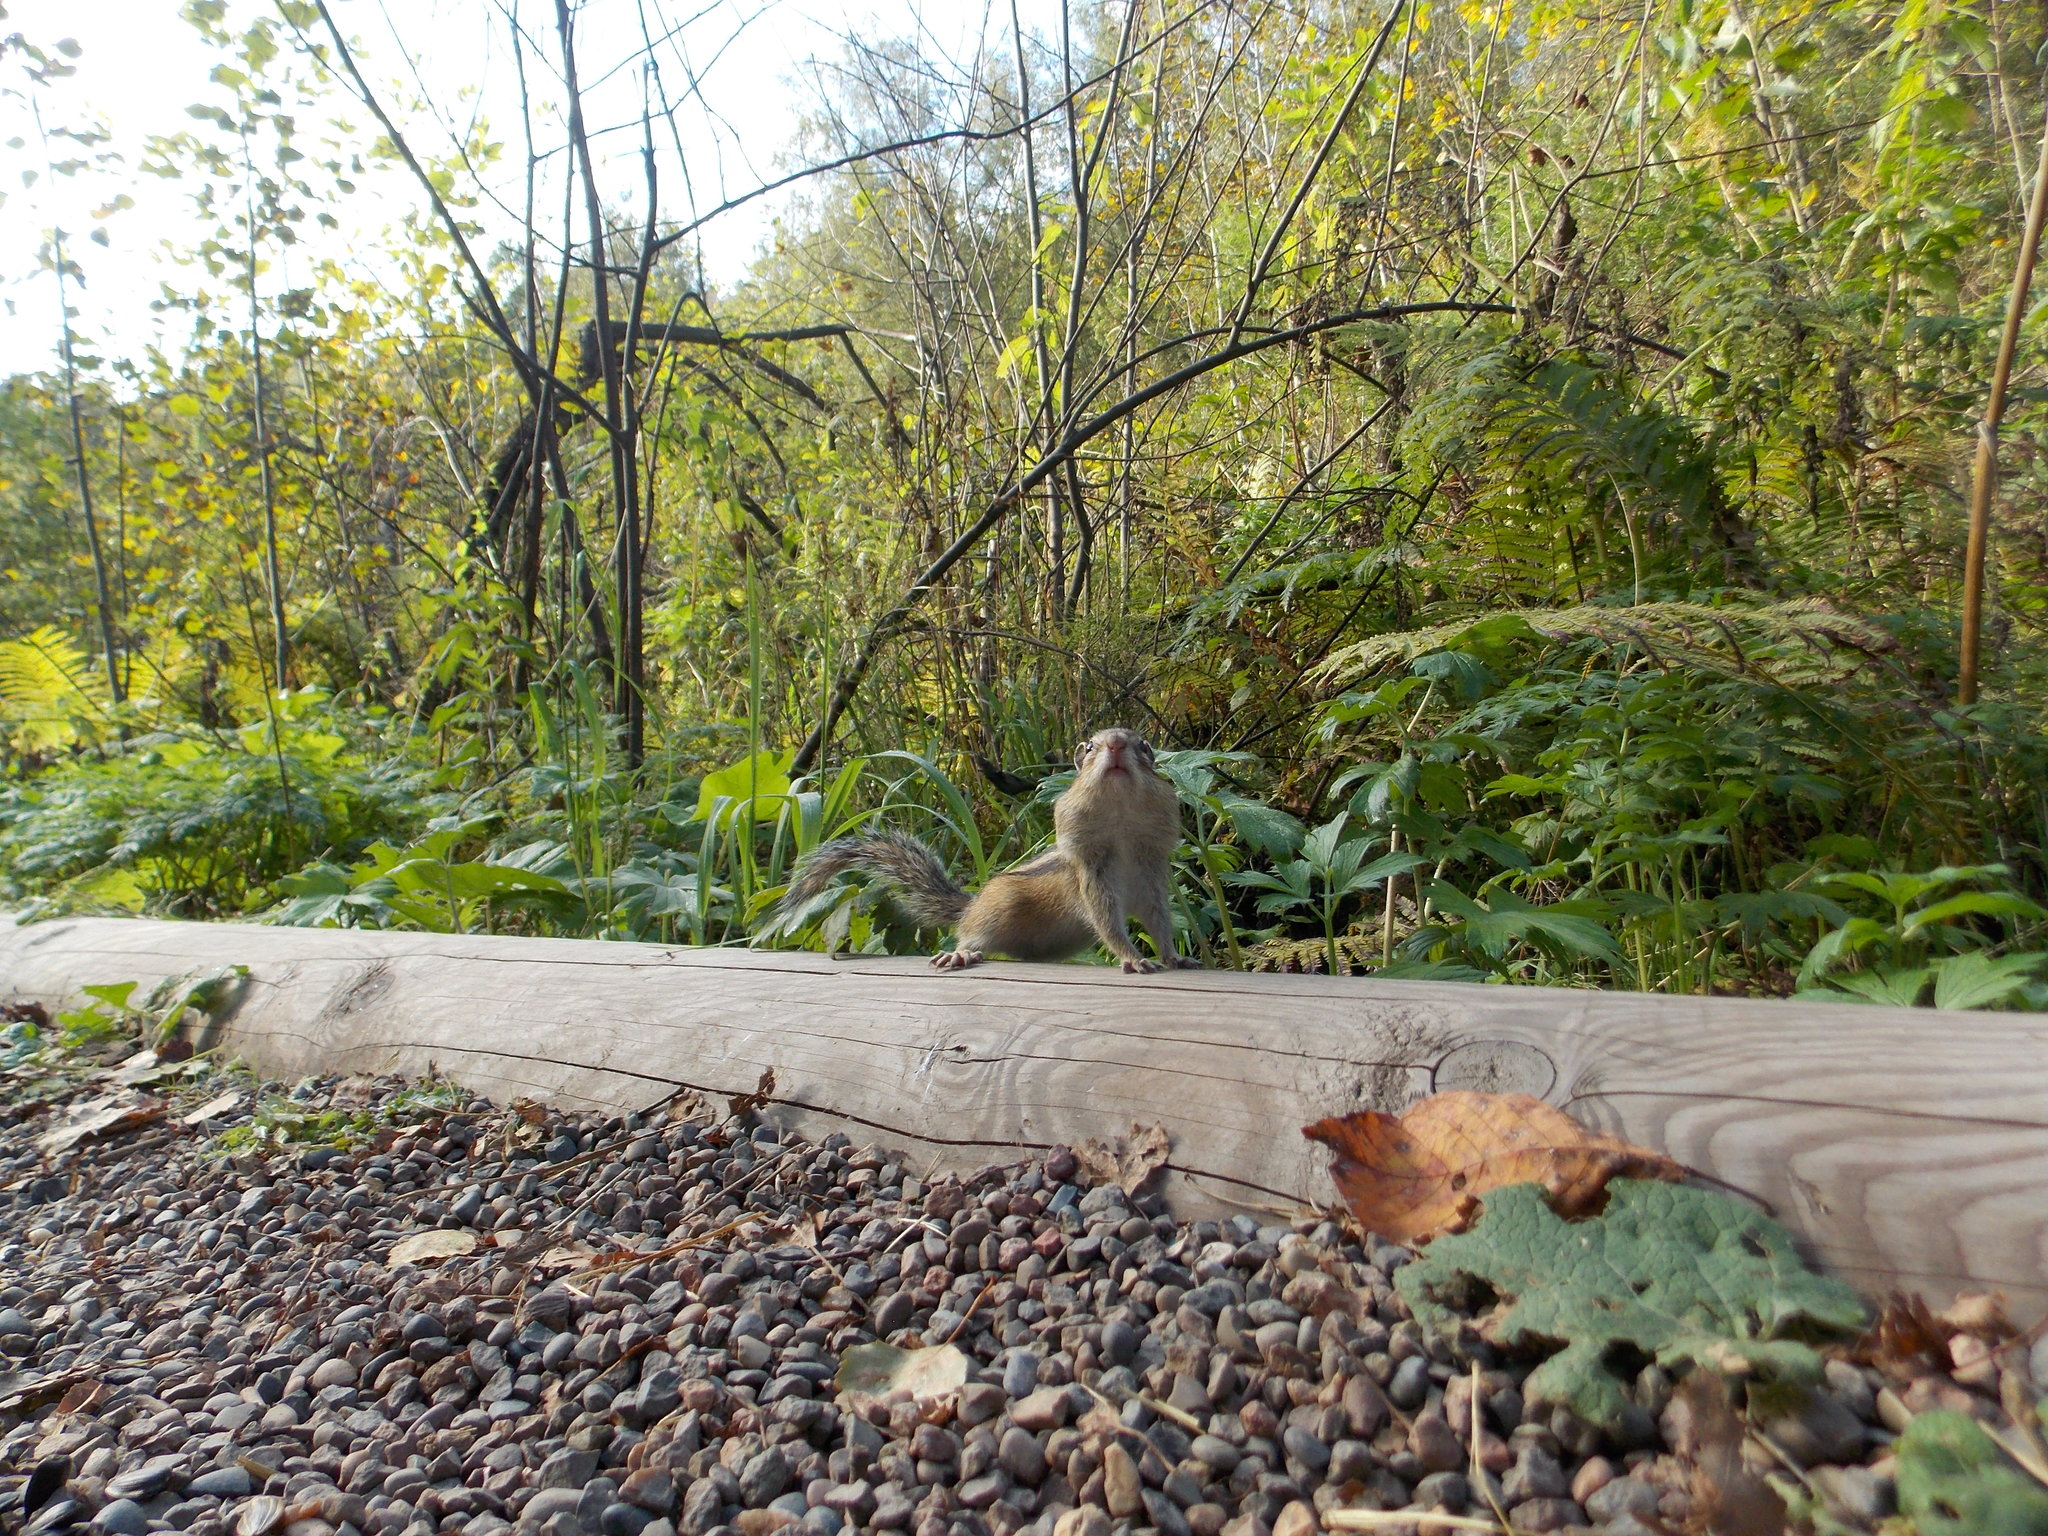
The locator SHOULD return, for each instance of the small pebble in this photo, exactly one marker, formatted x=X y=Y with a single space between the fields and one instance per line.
x=1619 y=1496
x=1410 y=1383
x=1444 y=1490
x=122 y=1517
x=1544 y=1515
x=1823 y=1429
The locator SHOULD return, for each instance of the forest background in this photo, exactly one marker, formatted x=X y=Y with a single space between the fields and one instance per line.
x=1513 y=457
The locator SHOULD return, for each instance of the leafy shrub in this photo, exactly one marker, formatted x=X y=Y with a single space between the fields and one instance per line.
x=202 y=825
x=1931 y=933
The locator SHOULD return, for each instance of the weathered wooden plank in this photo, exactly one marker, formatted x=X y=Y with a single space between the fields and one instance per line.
x=1906 y=1148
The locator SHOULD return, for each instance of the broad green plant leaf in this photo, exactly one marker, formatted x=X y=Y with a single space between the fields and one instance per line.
x=756 y=783
x=208 y=994
x=1973 y=904
x=1892 y=988
x=1265 y=827
x=1506 y=920
x=1954 y=1480
x=1978 y=980
x=1687 y=1276
x=1853 y=937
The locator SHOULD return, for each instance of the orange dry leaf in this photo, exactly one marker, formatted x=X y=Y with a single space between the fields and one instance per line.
x=1906 y=1340
x=1412 y=1177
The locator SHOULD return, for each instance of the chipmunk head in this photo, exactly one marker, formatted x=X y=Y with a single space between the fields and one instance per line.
x=1116 y=750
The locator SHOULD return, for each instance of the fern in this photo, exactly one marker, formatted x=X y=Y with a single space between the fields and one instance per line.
x=1344 y=570
x=50 y=697
x=1795 y=644
x=1565 y=428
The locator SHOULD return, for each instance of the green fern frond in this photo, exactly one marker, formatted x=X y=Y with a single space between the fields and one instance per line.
x=49 y=691
x=1799 y=643
x=1584 y=434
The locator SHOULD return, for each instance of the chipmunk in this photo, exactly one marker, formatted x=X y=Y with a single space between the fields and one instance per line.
x=1116 y=824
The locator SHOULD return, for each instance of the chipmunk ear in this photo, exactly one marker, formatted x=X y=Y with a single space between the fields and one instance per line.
x=1081 y=752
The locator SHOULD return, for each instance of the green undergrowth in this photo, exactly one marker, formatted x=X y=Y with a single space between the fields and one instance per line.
x=300 y=1118
x=1561 y=826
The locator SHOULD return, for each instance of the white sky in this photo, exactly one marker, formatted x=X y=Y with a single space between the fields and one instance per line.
x=141 y=65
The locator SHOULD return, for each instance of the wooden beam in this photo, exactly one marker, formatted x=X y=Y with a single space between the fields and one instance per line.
x=1906 y=1148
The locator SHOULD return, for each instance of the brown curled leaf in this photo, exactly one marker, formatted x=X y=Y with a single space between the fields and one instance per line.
x=1413 y=1176
x=1133 y=1162
x=744 y=1104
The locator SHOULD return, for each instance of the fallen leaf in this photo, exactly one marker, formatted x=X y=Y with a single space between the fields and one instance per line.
x=1411 y=1177
x=1132 y=1163
x=260 y=1515
x=212 y=1109
x=1683 y=1276
x=873 y=1370
x=1955 y=1480
x=744 y=1104
x=1727 y=1496
x=81 y=1397
x=1906 y=1340
x=437 y=1244
x=570 y=1255
x=114 y=1111
x=1978 y=1314
x=20 y=1391
x=142 y=1067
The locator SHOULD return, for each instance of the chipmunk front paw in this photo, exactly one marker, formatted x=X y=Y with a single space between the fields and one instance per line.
x=1142 y=967
x=956 y=959
x=1186 y=963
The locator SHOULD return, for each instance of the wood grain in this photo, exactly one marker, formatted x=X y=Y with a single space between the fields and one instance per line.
x=1906 y=1148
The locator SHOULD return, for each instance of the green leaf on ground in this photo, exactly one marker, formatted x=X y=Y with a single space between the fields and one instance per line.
x=1683 y=1275
x=1955 y=1481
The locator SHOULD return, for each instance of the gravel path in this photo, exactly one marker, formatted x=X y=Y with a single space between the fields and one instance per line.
x=208 y=1334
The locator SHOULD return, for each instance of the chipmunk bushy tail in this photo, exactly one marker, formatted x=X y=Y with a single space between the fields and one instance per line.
x=929 y=896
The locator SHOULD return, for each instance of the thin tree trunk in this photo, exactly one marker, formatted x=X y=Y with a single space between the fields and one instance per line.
x=92 y=531
x=1081 y=174
x=1984 y=477
x=627 y=698
x=1055 y=524
x=272 y=570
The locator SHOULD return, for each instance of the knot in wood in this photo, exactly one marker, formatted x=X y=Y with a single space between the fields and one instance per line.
x=1495 y=1066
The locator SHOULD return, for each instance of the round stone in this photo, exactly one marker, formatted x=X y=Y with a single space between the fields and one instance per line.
x=122 y=1517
